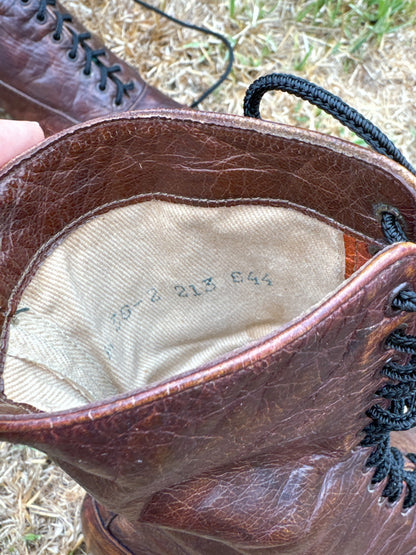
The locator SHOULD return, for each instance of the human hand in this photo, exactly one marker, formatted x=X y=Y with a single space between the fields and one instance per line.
x=16 y=137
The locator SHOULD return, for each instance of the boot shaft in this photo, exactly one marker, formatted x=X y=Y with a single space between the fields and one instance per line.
x=266 y=429
x=54 y=71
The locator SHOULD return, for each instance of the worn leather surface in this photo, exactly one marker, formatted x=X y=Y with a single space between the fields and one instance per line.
x=257 y=451
x=95 y=523
x=38 y=81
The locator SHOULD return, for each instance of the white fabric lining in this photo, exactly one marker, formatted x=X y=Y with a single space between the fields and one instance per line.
x=149 y=291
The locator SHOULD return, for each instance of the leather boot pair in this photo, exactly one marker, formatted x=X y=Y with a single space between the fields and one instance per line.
x=52 y=70
x=206 y=322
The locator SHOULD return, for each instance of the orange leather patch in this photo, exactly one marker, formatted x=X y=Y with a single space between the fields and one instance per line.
x=356 y=254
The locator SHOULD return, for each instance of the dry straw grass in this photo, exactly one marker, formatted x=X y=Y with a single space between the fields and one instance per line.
x=356 y=50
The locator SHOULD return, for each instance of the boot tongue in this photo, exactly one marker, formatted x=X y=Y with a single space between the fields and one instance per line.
x=357 y=253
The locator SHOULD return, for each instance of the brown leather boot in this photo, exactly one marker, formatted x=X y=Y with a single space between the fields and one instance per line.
x=54 y=71
x=204 y=325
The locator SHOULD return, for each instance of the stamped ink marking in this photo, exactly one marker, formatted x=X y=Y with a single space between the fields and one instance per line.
x=155 y=297
x=199 y=289
x=127 y=311
x=240 y=277
x=204 y=286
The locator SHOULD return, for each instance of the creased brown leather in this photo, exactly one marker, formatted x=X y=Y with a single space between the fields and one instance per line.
x=38 y=80
x=257 y=451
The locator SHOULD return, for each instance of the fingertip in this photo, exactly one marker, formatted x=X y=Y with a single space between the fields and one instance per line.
x=35 y=131
x=18 y=136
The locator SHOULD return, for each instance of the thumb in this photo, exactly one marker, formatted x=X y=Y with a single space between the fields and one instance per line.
x=18 y=136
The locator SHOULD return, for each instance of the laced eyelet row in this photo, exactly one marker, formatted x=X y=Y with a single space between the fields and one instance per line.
x=79 y=40
x=124 y=88
x=400 y=414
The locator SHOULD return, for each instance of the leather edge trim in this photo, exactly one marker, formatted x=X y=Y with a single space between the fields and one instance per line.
x=228 y=120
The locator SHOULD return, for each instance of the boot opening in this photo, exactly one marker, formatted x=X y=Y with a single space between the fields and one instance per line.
x=149 y=291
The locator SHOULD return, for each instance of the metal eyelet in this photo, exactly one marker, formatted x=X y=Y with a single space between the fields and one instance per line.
x=401 y=327
x=392 y=504
x=379 y=209
x=390 y=311
x=366 y=470
x=372 y=487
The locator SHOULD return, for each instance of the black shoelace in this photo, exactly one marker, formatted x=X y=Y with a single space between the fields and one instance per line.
x=79 y=40
x=400 y=413
x=224 y=40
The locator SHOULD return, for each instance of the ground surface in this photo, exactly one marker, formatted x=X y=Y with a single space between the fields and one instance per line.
x=364 y=53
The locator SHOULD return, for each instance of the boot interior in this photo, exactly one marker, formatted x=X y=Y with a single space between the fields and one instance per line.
x=151 y=290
